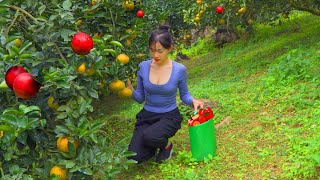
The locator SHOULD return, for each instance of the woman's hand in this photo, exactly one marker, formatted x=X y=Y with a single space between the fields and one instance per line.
x=196 y=103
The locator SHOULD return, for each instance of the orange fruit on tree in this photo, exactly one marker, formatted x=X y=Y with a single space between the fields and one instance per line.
x=242 y=10
x=250 y=21
x=123 y=58
x=51 y=103
x=199 y=1
x=128 y=42
x=128 y=6
x=93 y=2
x=201 y=12
x=79 y=22
x=81 y=69
x=117 y=85
x=62 y=144
x=221 y=21
x=125 y=93
x=17 y=42
x=197 y=19
x=133 y=34
x=60 y=172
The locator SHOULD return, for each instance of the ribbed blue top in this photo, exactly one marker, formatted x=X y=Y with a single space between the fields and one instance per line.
x=161 y=98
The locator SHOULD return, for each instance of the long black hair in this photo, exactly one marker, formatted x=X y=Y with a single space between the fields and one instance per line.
x=161 y=35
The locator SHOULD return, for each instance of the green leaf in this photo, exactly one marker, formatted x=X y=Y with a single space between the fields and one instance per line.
x=26 y=109
x=94 y=138
x=93 y=93
x=62 y=129
x=87 y=171
x=10 y=119
x=63 y=115
x=65 y=33
x=96 y=126
x=70 y=164
x=72 y=149
x=67 y=5
x=41 y=9
x=24 y=47
x=6 y=128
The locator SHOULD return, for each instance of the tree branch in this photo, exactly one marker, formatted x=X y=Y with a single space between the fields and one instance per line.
x=304 y=8
x=59 y=52
x=13 y=22
x=24 y=11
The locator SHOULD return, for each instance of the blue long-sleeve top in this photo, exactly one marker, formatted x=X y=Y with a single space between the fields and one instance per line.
x=161 y=98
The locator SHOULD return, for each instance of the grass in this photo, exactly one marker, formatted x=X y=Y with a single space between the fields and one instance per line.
x=269 y=85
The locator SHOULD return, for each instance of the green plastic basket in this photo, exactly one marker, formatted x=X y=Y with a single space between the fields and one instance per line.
x=203 y=140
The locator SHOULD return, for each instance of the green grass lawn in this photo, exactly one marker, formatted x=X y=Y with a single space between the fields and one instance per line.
x=270 y=86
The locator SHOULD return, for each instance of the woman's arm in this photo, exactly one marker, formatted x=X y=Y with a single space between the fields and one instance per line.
x=138 y=93
x=185 y=96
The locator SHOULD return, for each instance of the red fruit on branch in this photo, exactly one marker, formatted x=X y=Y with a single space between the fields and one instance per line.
x=12 y=73
x=140 y=14
x=81 y=43
x=25 y=87
x=219 y=9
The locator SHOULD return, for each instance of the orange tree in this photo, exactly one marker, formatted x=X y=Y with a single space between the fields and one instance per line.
x=55 y=133
x=240 y=15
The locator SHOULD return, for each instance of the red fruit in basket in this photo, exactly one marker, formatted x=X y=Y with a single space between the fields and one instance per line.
x=81 y=43
x=202 y=119
x=208 y=113
x=25 y=87
x=12 y=73
x=195 y=123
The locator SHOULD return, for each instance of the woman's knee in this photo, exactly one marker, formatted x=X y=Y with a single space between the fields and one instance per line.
x=151 y=139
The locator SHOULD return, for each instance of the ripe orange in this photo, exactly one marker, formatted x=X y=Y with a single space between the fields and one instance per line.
x=123 y=58
x=197 y=19
x=125 y=93
x=250 y=21
x=133 y=34
x=62 y=144
x=128 y=6
x=81 y=69
x=128 y=42
x=201 y=12
x=79 y=22
x=60 y=172
x=51 y=103
x=93 y=2
x=221 y=21
x=242 y=10
x=117 y=85
x=17 y=43
x=199 y=1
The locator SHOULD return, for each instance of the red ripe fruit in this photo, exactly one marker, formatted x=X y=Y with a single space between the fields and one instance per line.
x=25 y=87
x=81 y=43
x=140 y=14
x=219 y=9
x=12 y=73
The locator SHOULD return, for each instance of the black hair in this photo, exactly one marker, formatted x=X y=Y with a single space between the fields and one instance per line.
x=161 y=35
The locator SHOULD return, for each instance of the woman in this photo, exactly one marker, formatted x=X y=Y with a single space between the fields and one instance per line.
x=158 y=80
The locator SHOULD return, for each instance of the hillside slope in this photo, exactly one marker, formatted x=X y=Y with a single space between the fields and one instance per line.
x=269 y=86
